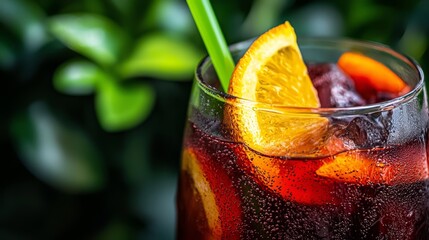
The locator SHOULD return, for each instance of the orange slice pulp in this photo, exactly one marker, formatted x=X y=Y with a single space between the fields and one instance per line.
x=272 y=72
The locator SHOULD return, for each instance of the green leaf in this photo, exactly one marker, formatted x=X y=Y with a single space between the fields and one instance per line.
x=25 y=19
x=125 y=7
x=120 y=107
x=79 y=77
x=160 y=15
x=162 y=56
x=363 y=12
x=93 y=36
x=414 y=41
x=57 y=152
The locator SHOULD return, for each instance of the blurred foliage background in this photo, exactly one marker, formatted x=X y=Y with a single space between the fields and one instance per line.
x=95 y=94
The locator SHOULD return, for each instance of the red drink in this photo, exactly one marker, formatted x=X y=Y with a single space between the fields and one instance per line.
x=368 y=178
x=356 y=211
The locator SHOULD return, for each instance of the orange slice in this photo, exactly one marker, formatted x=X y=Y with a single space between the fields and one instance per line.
x=272 y=72
x=213 y=189
x=353 y=167
x=370 y=75
x=378 y=166
x=202 y=186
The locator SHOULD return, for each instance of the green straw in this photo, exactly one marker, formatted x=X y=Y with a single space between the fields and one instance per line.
x=213 y=38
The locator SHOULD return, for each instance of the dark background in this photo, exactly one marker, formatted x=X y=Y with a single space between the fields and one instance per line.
x=94 y=97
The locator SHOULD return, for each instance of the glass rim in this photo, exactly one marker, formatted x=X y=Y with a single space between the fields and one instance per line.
x=280 y=108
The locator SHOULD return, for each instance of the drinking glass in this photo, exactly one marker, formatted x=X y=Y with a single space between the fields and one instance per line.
x=363 y=175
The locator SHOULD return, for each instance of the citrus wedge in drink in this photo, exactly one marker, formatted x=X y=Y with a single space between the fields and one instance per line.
x=406 y=164
x=272 y=83
x=269 y=78
x=214 y=200
x=368 y=73
x=371 y=76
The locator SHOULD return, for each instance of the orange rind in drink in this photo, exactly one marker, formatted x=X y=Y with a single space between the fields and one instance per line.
x=273 y=73
x=371 y=76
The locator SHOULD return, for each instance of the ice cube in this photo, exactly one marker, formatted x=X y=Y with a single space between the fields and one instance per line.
x=365 y=132
x=334 y=87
